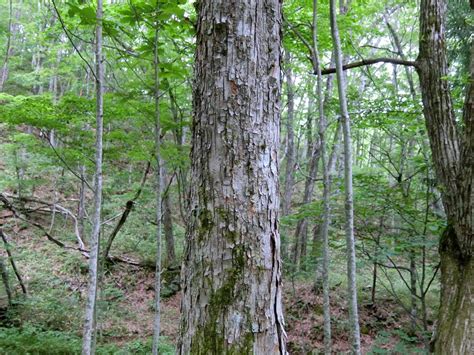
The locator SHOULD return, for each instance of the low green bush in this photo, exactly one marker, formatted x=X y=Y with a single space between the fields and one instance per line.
x=32 y=340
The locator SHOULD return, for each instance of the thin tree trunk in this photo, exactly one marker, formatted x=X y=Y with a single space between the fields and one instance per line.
x=88 y=343
x=301 y=231
x=12 y=262
x=309 y=127
x=8 y=51
x=374 y=275
x=413 y=294
x=349 y=205
x=81 y=209
x=168 y=228
x=326 y=187
x=231 y=275
x=180 y=136
x=6 y=284
x=398 y=46
x=123 y=218
x=158 y=177
x=290 y=139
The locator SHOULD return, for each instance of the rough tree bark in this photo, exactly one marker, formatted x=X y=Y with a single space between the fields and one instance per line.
x=88 y=343
x=453 y=159
x=349 y=205
x=231 y=275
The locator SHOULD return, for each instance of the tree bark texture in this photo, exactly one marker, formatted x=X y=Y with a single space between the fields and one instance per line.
x=453 y=157
x=349 y=204
x=231 y=275
x=88 y=342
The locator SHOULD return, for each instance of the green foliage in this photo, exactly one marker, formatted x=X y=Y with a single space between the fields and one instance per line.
x=32 y=340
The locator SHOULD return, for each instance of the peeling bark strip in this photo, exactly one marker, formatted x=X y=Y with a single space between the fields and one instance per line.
x=231 y=276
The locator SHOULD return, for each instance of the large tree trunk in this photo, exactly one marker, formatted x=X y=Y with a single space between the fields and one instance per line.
x=453 y=159
x=231 y=274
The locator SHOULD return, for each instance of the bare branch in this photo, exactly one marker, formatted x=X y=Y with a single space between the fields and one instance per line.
x=366 y=62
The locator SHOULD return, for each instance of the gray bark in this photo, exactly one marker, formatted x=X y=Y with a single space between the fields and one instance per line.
x=301 y=231
x=399 y=48
x=81 y=208
x=349 y=205
x=231 y=275
x=158 y=177
x=88 y=343
x=8 y=50
x=326 y=190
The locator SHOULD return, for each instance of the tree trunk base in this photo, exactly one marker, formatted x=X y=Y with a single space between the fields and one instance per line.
x=455 y=331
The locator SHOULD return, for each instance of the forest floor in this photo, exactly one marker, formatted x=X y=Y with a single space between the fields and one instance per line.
x=382 y=326
x=128 y=292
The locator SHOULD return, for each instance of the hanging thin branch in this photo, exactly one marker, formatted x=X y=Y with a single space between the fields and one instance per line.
x=63 y=25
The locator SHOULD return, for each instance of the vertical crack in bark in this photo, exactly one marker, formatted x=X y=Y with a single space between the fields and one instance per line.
x=231 y=276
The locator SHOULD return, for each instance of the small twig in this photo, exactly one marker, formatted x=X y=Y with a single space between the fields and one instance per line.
x=65 y=163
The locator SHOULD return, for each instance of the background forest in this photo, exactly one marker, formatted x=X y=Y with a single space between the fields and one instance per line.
x=47 y=164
